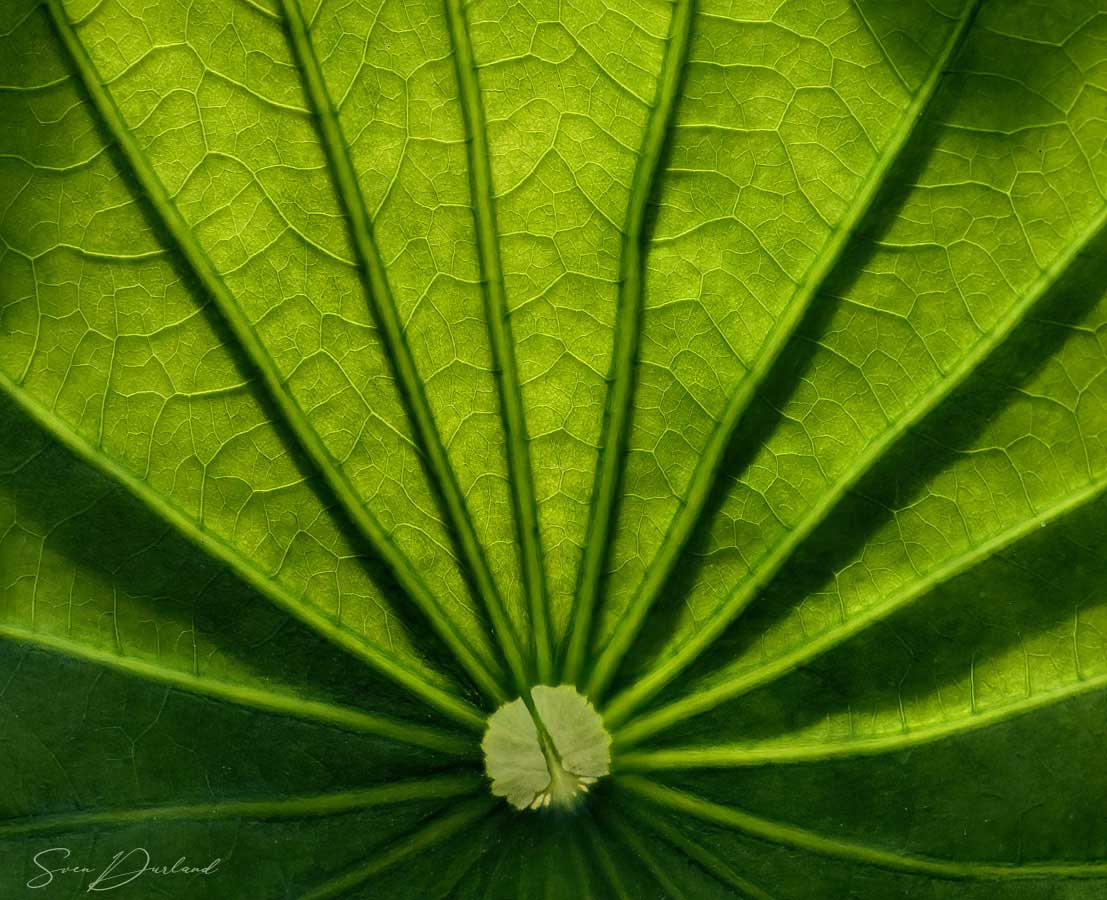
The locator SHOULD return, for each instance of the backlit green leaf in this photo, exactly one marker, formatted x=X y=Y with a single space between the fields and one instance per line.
x=589 y=449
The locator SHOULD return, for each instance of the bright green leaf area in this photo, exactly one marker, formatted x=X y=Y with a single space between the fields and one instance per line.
x=684 y=418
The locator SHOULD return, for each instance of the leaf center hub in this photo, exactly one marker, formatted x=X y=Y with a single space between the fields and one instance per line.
x=546 y=750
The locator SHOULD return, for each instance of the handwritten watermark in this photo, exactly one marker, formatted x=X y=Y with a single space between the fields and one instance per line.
x=125 y=867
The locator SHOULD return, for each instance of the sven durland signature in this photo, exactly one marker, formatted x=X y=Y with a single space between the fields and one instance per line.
x=125 y=867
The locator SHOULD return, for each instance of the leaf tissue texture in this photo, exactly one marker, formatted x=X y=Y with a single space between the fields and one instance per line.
x=526 y=449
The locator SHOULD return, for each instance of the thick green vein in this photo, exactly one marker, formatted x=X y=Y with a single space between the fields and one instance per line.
x=439 y=787
x=803 y=839
x=697 y=701
x=700 y=854
x=263 y=699
x=387 y=316
x=726 y=756
x=502 y=343
x=276 y=390
x=641 y=851
x=709 y=465
x=743 y=594
x=628 y=327
x=263 y=582
x=437 y=831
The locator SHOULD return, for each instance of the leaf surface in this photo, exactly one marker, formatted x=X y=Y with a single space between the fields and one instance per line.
x=740 y=366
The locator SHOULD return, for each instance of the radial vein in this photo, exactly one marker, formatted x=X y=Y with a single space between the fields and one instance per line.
x=254 y=350
x=740 y=597
x=707 y=697
x=440 y=787
x=815 y=842
x=269 y=699
x=709 y=464
x=387 y=316
x=439 y=829
x=708 y=860
x=501 y=341
x=642 y=851
x=715 y=756
x=214 y=546
x=628 y=316
x=604 y=861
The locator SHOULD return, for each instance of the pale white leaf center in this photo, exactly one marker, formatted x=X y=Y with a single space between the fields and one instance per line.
x=547 y=753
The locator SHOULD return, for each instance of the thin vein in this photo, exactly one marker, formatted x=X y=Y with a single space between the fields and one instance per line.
x=743 y=594
x=709 y=465
x=642 y=851
x=254 y=350
x=386 y=314
x=782 y=834
x=430 y=835
x=581 y=883
x=709 y=861
x=604 y=861
x=440 y=787
x=452 y=705
x=502 y=343
x=628 y=327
